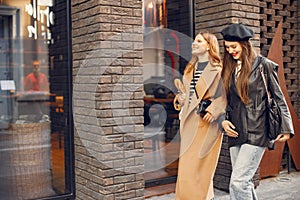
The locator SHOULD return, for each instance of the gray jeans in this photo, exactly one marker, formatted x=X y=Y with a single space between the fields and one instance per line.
x=245 y=160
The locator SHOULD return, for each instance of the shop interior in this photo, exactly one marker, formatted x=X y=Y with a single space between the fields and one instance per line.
x=33 y=113
x=167 y=42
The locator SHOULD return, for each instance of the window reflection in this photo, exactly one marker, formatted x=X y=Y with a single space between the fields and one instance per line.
x=164 y=44
x=33 y=94
x=36 y=80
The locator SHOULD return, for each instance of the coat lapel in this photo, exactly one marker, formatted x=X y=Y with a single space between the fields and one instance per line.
x=204 y=82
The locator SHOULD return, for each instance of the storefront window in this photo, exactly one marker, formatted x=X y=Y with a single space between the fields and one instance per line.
x=167 y=47
x=34 y=99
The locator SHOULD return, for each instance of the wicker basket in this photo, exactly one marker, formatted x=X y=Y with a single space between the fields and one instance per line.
x=25 y=170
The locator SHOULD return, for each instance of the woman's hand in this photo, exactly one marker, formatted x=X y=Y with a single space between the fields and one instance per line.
x=181 y=98
x=178 y=101
x=208 y=117
x=282 y=137
x=229 y=129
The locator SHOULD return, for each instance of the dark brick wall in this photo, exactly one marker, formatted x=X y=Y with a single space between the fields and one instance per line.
x=108 y=99
x=271 y=13
x=216 y=15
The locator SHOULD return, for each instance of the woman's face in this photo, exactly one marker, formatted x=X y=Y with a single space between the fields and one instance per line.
x=234 y=49
x=199 y=46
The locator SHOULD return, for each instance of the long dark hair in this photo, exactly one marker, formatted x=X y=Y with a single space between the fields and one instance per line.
x=229 y=64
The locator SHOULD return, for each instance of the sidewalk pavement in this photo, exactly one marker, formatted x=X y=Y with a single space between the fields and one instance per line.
x=282 y=187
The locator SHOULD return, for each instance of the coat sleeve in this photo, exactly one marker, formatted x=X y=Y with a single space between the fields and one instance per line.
x=276 y=93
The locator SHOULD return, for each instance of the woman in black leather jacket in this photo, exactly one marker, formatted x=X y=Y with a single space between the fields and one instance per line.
x=245 y=120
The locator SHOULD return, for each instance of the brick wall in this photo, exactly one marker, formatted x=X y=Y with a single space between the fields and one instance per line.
x=271 y=13
x=108 y=99
x=216 y=15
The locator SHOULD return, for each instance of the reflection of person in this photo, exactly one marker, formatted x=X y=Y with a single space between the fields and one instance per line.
x=246 y=95
x=201 y=137
x=36 y=80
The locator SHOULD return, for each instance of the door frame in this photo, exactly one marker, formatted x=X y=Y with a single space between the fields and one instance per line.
x=16 y=45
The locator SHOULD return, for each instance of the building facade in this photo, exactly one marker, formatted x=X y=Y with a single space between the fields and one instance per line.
x=98 y=121
x=167 y=27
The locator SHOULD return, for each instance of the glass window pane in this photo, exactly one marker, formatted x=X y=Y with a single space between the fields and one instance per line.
x=34 y=96
x=166 y=52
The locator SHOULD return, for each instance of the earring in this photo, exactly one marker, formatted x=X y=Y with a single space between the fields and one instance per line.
x=207 y=49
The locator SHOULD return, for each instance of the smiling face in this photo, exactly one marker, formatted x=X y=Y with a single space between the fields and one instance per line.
x=199 y=45
x=234 y=49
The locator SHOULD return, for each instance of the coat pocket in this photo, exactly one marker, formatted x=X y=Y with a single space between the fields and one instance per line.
x=256 y=121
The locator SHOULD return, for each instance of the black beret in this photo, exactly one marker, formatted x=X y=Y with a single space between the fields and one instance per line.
x=237 y=32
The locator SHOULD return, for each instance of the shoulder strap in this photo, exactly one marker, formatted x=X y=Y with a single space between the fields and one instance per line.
x=265 y=82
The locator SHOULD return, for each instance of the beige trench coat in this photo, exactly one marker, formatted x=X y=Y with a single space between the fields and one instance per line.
x=200 y=141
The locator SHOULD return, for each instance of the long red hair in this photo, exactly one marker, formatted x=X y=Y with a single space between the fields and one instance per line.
x=214 y=52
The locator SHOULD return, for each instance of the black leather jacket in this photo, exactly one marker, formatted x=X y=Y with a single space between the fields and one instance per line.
x=250 y=119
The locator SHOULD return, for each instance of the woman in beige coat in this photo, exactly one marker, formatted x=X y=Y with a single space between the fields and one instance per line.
x=201 y=137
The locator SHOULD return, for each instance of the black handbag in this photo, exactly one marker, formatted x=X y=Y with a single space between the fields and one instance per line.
x=202 y=107
x=273 y=113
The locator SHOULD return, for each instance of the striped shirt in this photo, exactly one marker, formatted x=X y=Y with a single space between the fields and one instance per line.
x=196 y=77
